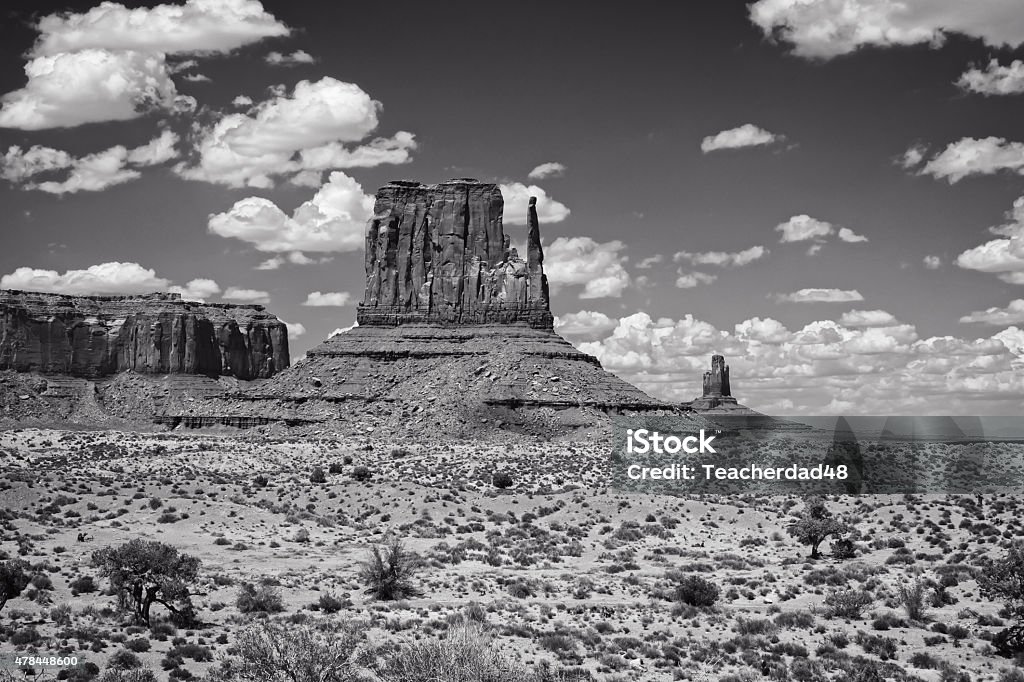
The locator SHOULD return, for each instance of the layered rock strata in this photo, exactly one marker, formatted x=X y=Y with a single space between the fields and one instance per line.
x=439 y=254
x=100 y=336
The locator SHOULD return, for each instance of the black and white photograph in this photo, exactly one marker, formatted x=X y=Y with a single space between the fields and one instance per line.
x=565 y=341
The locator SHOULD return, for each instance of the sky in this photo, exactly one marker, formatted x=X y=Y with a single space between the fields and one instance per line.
x=828 y=192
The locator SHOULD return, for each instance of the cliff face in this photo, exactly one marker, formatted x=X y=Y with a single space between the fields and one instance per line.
x=95 y=336
x=439 y=254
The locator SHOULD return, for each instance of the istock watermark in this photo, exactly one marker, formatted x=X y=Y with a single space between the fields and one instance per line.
x=690 y=453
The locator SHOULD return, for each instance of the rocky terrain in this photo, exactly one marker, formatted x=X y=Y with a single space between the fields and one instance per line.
x=524 y=558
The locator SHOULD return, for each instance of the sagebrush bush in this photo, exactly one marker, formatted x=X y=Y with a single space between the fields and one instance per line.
x=361 y=473
x=253 y=599
x=847 y=603
x=388 y=573
x=696 y=591
x=912 y=596
x=502 y=480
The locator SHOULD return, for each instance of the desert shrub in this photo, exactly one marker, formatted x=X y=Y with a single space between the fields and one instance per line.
x=464 y=654
x=815 y=524
x=124 y=660
x=145 y=572
x=847 y=603
x=334 y=468
x=502 y=480
x=317 y=475
x=794 y=619
x=754 y=626
x=388 y=573
x=261 y=481
x=136 y=675
x=328 y=603
x=696 y=591
x=912 y=597
x=361 y=473
x=82 y=672
x=273 y=652
x=61 y=615
x=25 y=636
x=924 y=660
x=262 y=598
x=1003 y=580
x=843 y=548
x=14 y=578
x=82 y=585
x=883 y=647
x=1011 y=675
x=138 y=645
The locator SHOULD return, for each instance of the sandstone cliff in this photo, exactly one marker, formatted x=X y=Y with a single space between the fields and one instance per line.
x=439 y=254
x=97 y=336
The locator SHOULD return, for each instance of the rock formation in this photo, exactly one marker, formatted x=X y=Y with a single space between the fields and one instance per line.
x=157 y=334
x=717 y=394
x=439 y=254
x=454 y=334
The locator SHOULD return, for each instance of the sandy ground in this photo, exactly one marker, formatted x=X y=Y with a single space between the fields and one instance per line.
x=565 y=569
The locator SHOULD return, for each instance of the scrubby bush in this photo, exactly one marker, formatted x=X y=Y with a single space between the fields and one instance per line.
x=317 y=475
x=136 y=675
x=696 y=591
x=328 y=603
x=502 y=480
x=843 y=548
x=263 y=598
x=335 y=468
x=465 y=653
x=847 y=603
x=361 y=473
x=912 y=597
x=388 y=573
x=124 y=660
x=82 y=585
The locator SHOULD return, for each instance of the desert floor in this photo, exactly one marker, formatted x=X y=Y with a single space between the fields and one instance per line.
x=558 y=567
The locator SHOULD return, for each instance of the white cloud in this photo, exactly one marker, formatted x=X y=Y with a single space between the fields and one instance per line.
x=107 y=278
x=288 y=134
x=848 y=235
x=193 y=27
x=517 y=201
x=1005 y=257
x=91 y=173
x=803 y=227
x=1001 y=317
x=723 y=258
x=694 y=279
x=585 y=323
x=70 y=89
x=328 y=299
x=599 y=267
x=913 y=156
x=242 y=101
x=828 y=28
x=551 y=169
x=246 y=295
x=650 y=261
x=297 y=57
x=747 y=135
x=821 y=296
x=767 y=330
x=932 y=262
x=333 y=220
x=197 y=78
x=868 y=318
x=995 y=79
x=295 y=329
x=970 y=156
x=197 y=290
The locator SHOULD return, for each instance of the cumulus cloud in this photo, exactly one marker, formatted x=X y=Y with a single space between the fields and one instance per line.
x=747 y=135
x=1004 y=256
x=106 y=278
x=551 y=169
x=847 y=235
x=92 y=173
x=295 y=329
x=802 y=228
x=994 y=79
x=197 y=290
x=69 y=89
x=932 y=262
x=823 y=367
x=970 y=156
x=722 y=258
x=867 y=318
x=1001 y=317
x=291 y=133
x=517 y=201
x=293 y=59
x=821 y=296
x=196 y=26
x=650 y=261
x=317 y=299
x=333 y=220
x=586 y=323
x=824 y=29
x=599 y=267
x=246 y=295
x=690 y=280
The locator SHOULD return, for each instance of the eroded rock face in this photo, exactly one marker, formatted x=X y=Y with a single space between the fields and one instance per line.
x=439 y=254
x=96 y=336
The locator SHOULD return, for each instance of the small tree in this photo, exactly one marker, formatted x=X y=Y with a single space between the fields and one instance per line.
x=816 y=524
x=388 y=573
x=318 y=475
x=1003 y=580
x=14 y=577
x=147 y=572
x=696 y=591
